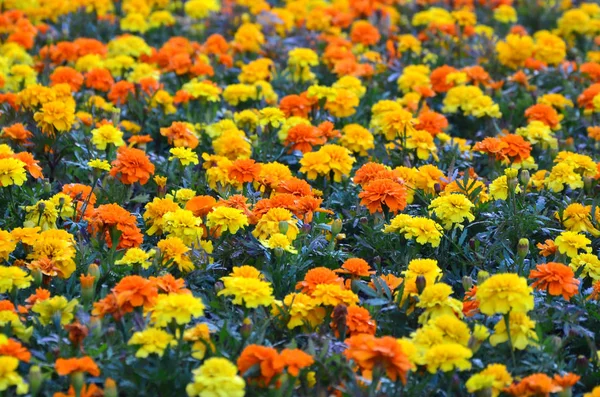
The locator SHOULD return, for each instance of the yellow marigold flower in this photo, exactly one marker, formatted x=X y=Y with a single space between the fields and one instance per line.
x=452 y=329
x=448 y=357
x=271 y=116
x=151 y=341
x=184 y=225
x=105 y=135
x=271 y=223
x=590 y=264
x=549 y=48
x=314 y=164
x=522 y=331
x=200 y=9
x=570 y=243
x=232 y=144
x=300 y=60
x=175 y=253
x=202 y=89
x=480 y=332
x=98 y=164
x=461 y=98
x=481 y=106
x=503 y=293
x=12 y=172
x=246 y=271
x=55 y=116
x=8 y=243
x=422 y=142
x=452 y=210
x=340 y=160
x=499 y=376
x=539 y=132
x=423 y=230
x=414 y=77
x=181 y=196
x=505 y=14
x=436 y=301
x=57 y=246
x=563 y=174
x=161 y=18
x=410 y=350
x=186 y=156
x=236 y=93
x=249 y=292
x=248 y=37
x=344 y=103
x=578 y=218
x=216 y=377
x=227 y=219
x=200 y=335
x=333 y=295
x=581 y=163
x=351 y=83
x=55 y=307
x=302 y=309
x=180 y=308
x=136 y=257
x=499 y=188
x=408 y=42
x=13 y=277
x=134 y=22
x=279 y=240
x=559 y=101
x=428 y=268
x=514 y=51
x=43 y=214
x=480 y=383
x=9 y=376
x=357 y=139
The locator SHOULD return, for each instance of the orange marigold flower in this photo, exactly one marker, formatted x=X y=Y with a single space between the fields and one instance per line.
x=71 y=365
x=201 y=205
x=180 y=134
x=317 y=276
x=586 y=99
x=383 y=192
x=244 y=170
x=120 y=91
x=567 y=380
x=99 y=79
x=534 y=385
x=595 y=294
x=432 y=122
x=77 y=332
x=66 y=75
x=370 y=172
x=358 y=321
x=40 y=295
x=364 y=33
x=294 y=186
x=367 y=351
x=135 y=291
x=592 y=69
x=303 y=137
x=15 y=349
x=544 y=113
x=31 y=165
x=168 y=284
x=108 y=216
x=108 y=305
x=547 y=248
x=295 y=360
x=556 y=278
x=470 y=304
x=492 y=146
x=356 y=267
x=439 y=76
x=17 y=132
x=131 y=166
x=518 y=149
x=392 y=281
x=270 y=362
x=295 y=105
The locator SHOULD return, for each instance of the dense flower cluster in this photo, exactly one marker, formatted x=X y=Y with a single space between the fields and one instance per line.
x=299 y=197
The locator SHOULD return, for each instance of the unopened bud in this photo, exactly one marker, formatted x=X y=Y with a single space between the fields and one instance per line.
x=35 y=380
x=283 y=227
x=278 y=252
x=77 y=381
x=110 y=388
x=219 y=286
x=41 y=207
x=556 y=342
x=588 y=184
x=37 y=275
x=438 y=188
x=364 y=220
x=246 y=328
x=336 y=227
x=525 y=177
x=421 y=283
x=467 y=283
x=87 y=288
x=523 y=248
x=582 y=363
x=47 y=186
x=566 y=392
x=482 y=276
x=94 y=270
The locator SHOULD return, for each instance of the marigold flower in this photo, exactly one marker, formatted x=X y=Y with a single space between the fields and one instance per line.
x=452 y=209
x=131 y=166
x=151 y=341
x=270 y=362
x=555 y=278
x=249 y=292
x=536 y=384
x=180 y=308
x=570 y=243
x=73 y=365
x=216 y=375
x=503 y=293
x=383 y=192
x=368 y=352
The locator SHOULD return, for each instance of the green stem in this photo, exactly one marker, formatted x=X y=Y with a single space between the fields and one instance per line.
x=510 y=344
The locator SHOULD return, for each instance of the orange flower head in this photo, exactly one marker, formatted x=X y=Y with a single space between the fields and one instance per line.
x=367 y=352
x=201 y=205
x=270 y=362
x=295 y=360
x=382 y=192
x=556 y=278
x=244 y=170
x=567 y=380
x=517 y=149
x=303 y=137
x=135 y=291
x=534 y=385
x=544 y=113
x=356 y=267
x=132 y=165
x=71 y=365
x=15 y=349
x=316 y=276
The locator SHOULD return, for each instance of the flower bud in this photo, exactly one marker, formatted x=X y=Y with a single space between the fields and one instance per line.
x=94 y=270
x=525 y=177
x=582 y=363
x=467 y=283
x=278 y=252
x=283 y=227
x=47 y=186
x=568 y=392
x=421 y=283
x=37 y=275
x=523 y=248
x=246 y=328
x=438 y=188
x=482 y=276
x=87 y=287
x=35 y=379
x=77 y=381
x=219 y=286
x=588 y=184
x=110 y=388
x=556 y=342
x=336 y=227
